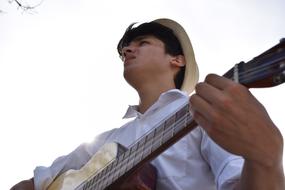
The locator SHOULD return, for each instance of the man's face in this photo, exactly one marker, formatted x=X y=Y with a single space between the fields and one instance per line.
x=145 y=59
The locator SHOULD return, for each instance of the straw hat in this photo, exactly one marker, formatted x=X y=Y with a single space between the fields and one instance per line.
x=191 y=75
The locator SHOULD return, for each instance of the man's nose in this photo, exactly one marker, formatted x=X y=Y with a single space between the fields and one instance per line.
x=127 y=49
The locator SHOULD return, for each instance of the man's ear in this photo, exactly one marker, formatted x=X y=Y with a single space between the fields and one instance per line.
x=178 y=61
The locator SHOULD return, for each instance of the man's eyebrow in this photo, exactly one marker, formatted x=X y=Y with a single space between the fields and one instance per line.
x=140 y=38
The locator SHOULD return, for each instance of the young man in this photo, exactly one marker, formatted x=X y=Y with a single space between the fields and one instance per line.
x=158 y=61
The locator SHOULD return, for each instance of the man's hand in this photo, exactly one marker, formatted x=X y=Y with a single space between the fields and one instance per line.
x=24 y=185
x=236 y=121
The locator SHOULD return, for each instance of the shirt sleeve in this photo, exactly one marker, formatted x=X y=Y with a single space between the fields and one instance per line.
x=225 y=166
x=44 y=176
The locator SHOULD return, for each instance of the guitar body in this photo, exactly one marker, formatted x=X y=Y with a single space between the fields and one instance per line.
x=71 y=179
x=143 y=179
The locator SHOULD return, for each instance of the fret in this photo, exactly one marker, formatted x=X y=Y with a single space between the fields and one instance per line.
x=168 y=134
x=113 y=177
x=120 y=161
x=159 y=129
x=92 y=181
x=85 y=186
x=110 y=177
x=136 y=160
x=179 y=127
x=95 y=183
x=103 y=177
x=189 y=118
x=156 y=145
x=236 y=73
x=103 y=172
x=129 y=164
x=109 y=182
x=102 y=184
x=126 y=156
x=169 y=122
x=150 y=139
x=182 y=112
x=126 y=159
x=146 y=151
x=182 y=122
x=141 y=144
x=149 y=136
x=158 y=136
x=168 y=129
x=134 y=148
x=141 y=147
x=115 y=163
x=89 y=184
x=133 y=151
x=120 y=166
x=121 y=171
x=108 y=168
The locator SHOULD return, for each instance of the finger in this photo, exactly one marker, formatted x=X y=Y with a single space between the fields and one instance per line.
x=209 y=93
x=201 y=106
x=218 y=81
x=200 y=120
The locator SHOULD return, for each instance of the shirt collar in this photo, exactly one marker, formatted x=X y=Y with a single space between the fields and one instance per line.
x=163 y=99
x=132 y=111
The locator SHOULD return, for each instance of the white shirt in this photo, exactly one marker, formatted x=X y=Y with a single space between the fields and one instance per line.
x=194 y=162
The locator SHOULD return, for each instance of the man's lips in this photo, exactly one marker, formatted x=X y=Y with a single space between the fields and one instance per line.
x=127 y=59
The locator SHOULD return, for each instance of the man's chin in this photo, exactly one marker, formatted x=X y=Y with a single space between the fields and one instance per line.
x=131 y=76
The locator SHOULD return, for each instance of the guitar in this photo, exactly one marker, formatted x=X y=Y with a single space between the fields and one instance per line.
x=113 y=164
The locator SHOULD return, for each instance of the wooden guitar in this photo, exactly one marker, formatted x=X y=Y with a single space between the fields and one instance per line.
x=113 y=164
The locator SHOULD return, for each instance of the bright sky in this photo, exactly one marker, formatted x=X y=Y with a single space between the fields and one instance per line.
x=61 y=79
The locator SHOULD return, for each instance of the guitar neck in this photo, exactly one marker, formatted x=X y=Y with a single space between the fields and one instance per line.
x=155 y=142
x=144 y=150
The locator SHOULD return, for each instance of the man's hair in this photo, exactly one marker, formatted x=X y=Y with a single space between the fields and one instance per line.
x=165 y=34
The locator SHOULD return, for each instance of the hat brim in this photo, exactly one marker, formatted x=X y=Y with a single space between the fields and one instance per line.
x=191 y=75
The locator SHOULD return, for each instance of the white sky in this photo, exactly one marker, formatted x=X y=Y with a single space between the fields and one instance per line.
x=61 y=79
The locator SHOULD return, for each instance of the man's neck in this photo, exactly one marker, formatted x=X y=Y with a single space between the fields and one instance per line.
x=150 y=94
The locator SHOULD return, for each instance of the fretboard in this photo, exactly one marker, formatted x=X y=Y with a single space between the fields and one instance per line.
x=157 y=140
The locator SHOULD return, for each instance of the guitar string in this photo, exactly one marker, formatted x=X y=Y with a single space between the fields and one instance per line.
x=246 y=80
x=147 y=146
x=267 y=63
x=259 y=69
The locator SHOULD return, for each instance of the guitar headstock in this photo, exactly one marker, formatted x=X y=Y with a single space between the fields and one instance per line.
x=265 y=70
